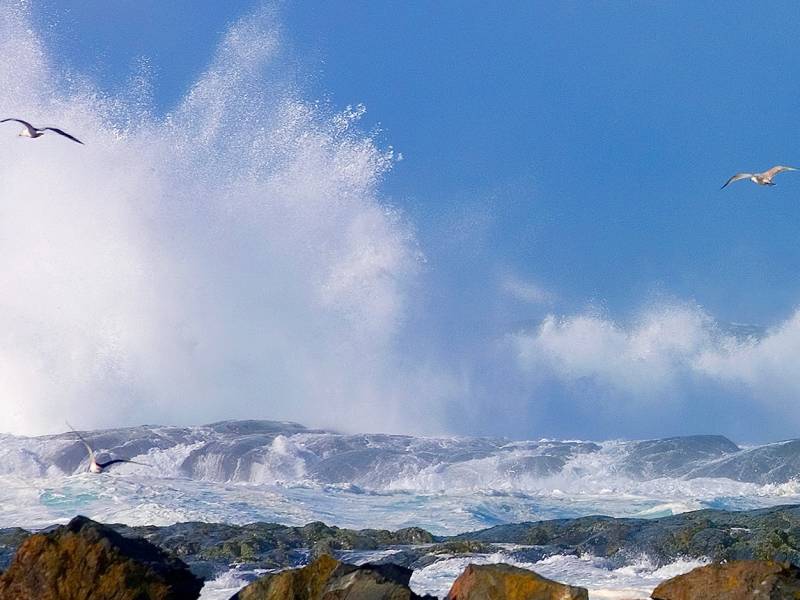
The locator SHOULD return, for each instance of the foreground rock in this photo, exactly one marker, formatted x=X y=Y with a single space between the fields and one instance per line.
x=329 y=579
x=736 y=580
x=86 y=560
x=504 y=582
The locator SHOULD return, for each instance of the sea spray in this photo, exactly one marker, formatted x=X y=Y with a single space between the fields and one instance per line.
x=232 y=257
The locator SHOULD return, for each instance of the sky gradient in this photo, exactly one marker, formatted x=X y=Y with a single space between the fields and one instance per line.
x=583 y=274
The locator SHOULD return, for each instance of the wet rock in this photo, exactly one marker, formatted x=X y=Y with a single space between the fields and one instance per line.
x=504 y=582
x=370 y=582
x=328 y=579
x=735 y=580
x=267 y=545
x=86 y=560
x=419 y=557
x=767 y=534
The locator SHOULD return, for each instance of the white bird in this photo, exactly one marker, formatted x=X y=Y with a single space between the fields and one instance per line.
x=764 y=178
x=96 y=467
x=35 y=132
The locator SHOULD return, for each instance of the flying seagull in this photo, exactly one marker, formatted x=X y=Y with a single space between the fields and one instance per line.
x=764 y=178
x=35 y=132
x=96 y=467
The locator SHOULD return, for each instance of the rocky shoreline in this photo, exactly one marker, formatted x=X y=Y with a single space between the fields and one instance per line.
x=208 y=549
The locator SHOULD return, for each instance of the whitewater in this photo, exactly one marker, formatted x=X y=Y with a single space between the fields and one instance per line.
x=246 y=471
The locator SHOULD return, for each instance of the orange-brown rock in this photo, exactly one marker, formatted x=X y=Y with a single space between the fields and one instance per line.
x=734 y=580
x=85 y=560
x=328 y=579
x=306 y=583
x=504 y=582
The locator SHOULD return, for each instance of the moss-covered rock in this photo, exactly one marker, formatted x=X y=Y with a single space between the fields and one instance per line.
x=768 y=533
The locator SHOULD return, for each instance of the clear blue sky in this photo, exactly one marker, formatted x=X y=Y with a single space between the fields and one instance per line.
x=576 y=147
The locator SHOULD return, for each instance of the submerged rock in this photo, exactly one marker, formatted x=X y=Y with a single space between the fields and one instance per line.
x=735 y=580
x=505 y=582
x=85 y=560
x=328 y=579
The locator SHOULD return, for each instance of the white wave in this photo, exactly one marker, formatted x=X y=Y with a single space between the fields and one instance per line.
x=227 y=584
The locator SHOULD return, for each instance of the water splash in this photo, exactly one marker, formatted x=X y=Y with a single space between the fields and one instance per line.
x=231 y=258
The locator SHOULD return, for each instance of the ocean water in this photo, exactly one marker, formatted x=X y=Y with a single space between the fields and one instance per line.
x=245 y=471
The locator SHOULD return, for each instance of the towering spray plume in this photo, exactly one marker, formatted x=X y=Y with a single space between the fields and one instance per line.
x=241 y=266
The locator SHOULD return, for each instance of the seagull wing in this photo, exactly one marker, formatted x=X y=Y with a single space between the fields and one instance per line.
x=103 y=465
x=736 y=177
x=27 y=125
x=775 y=170
x=80 y=437
x=64 y=133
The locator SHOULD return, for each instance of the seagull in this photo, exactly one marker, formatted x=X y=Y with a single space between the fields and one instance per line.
x=764 y=178
x=35 y=132
x=96 y=467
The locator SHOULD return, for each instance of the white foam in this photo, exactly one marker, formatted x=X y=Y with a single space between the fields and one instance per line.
x=636 y=580
x=227 y=584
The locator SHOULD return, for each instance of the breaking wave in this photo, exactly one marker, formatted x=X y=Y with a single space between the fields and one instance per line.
x=244 y=471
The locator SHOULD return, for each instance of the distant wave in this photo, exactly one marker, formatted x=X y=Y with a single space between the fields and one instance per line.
x=289 y=454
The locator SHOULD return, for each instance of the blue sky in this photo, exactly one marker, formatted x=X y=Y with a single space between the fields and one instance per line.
x=591 y=138
x=559 y=158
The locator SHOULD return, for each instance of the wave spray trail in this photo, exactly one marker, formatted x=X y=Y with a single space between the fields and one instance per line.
x=232 y=258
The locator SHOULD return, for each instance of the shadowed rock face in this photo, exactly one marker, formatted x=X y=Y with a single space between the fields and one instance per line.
x=328 y=579
x=735 y=580
x=504 y=582
x=86 y=560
